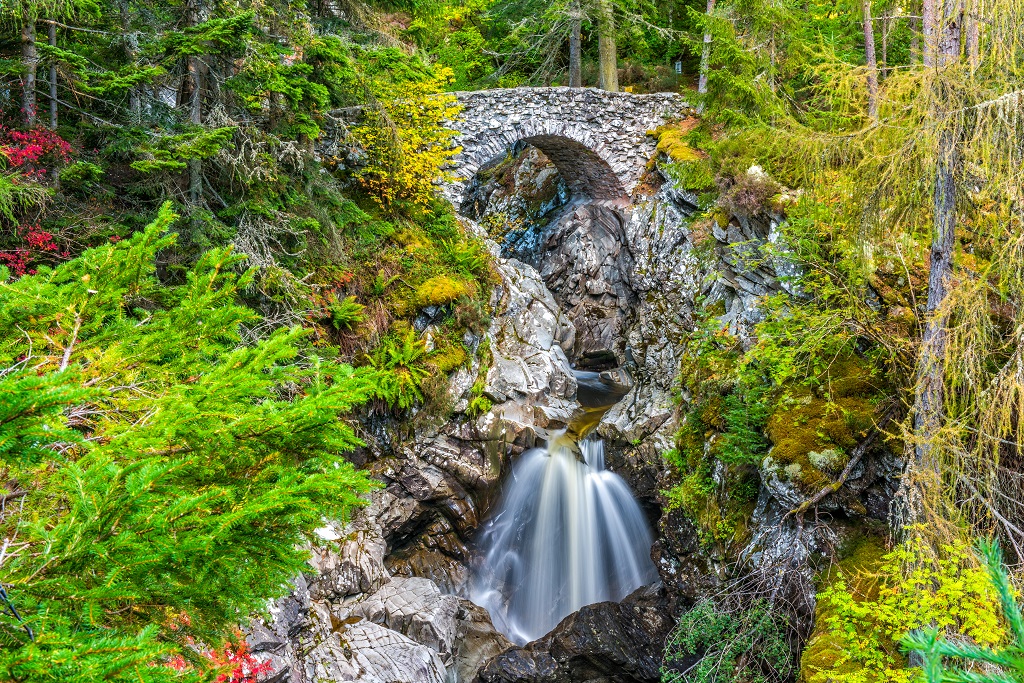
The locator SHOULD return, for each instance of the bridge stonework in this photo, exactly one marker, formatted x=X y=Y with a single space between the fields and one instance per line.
x=597 y=139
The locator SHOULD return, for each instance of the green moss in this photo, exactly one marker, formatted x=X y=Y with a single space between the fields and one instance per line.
x=441 y=290
x=848 y=376
x=816 y=426
x=860 y=559
x=673 y=144
x=449 y=358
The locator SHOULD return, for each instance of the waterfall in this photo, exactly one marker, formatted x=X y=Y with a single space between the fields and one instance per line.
x=567 y=533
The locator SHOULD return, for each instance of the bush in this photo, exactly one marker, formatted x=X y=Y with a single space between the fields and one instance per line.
x=401 y=367
x=865 y=610
x=710 y=644
x=1002 y=664
x=189 y=491
x=347 y=313
x=80 y=177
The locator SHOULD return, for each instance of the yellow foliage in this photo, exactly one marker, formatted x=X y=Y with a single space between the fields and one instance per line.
x=450 y=358
x=873 y=600
x=407 y=142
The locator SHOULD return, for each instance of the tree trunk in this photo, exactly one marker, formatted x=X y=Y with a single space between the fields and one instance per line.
x=869 y=54
x=929 y=31
x=929 y=395
x=705 y=55
x=132 y=48
x=949 y=31
x=973 y=34
x=915 y=40
x=576 y=48
x=193 y=17
x=29 y=65
x=195 y=167
x=607 y=54
x=929 y=409
x=53 y=78
x=884 y=70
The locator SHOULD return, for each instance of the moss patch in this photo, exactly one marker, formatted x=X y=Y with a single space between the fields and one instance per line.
x=673 y=141
x=441 y=290
x=816 y=428
x=859 y=562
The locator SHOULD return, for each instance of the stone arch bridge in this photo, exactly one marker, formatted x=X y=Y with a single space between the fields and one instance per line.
x=597 y=139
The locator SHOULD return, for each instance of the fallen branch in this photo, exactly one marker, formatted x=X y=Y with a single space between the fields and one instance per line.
x=855 y=457
x=11 y=496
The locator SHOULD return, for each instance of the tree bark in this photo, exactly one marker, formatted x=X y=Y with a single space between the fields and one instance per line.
x=972 y=35
x=949 y=32
x=195 y=167
x=29 y=64
x=576 y=48
x=132 y=48
x=929 y=31
x=929 y=408
x=607 y=53
x=193 y=16
x=705 y=55
x=869 y=54
x=884 y=70
x=53 y=78
x=915 y=40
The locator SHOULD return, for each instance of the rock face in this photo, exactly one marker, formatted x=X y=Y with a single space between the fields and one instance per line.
x=380 y=603
x=597 y=139
x=350 y=620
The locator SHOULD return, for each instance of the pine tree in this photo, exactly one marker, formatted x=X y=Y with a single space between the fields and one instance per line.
x=169 y=476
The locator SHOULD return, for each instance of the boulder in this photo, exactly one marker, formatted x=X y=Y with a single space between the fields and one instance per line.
x=476 y=642
x=414 y=607
x=607 y=641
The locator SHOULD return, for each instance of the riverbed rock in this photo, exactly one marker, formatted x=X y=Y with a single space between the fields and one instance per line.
x=414 y=607
x=607 y=641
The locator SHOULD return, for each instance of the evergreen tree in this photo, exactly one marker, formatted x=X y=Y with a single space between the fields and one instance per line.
x=168 y=477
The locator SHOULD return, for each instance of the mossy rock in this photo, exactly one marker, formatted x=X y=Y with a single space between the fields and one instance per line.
x=849 y=376
x=860 y=559
x=441 y=290
x=449 y=358
x=816 y=426
x=672 y=143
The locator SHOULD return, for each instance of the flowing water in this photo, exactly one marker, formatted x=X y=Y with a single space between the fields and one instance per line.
x=567 y=533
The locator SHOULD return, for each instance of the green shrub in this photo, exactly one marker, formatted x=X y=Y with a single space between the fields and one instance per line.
x=79 y=177
x=982 y=663
x=865 y=609
x=401 y=364
x=744 y=644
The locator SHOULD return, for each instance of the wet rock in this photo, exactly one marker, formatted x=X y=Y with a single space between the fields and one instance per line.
x=476 y=642
x=370 y=653
x=356 y=564
x=603 y=642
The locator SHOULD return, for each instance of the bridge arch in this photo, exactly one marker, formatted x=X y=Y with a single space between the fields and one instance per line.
x=597 y=140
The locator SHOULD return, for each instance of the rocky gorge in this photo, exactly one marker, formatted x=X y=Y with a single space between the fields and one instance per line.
x=608 y=285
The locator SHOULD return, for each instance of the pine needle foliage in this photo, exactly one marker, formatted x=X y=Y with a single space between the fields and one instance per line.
x=172 y=476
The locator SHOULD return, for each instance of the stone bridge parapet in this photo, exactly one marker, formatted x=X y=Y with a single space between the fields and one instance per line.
x=597 y=139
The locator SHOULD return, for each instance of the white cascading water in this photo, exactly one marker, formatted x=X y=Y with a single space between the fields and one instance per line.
x=567 y=534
